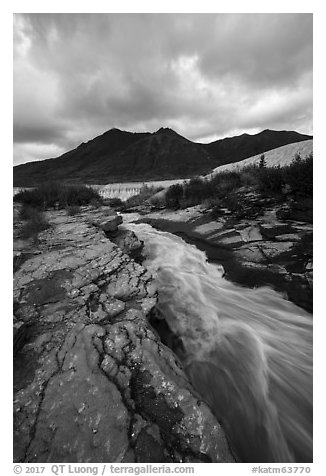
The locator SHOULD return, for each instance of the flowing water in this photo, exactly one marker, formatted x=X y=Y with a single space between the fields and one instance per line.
x=248 y=352
x=129 y=189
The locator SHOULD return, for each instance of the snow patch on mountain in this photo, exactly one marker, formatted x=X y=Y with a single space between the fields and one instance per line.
x=281 y=156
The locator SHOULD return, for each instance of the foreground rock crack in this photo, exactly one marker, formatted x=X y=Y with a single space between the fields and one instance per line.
x=93 y=382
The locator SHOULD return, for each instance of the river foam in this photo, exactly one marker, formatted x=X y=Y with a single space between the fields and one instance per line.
x=248 y=352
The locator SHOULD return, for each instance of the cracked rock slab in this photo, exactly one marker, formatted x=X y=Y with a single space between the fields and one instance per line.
x=94 y=383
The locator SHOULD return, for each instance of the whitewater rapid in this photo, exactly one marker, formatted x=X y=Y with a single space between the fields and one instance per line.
x=247 y=352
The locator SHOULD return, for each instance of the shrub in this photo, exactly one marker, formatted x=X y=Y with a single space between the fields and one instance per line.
x=228 y=182
x=113 y=202
x=223 y=183
x=212 y=202
x=95 y=203
x=296 y=178
x=196 y=190
x=34 y=224
x=188 y=202
x=73 y=210
x=157 y=202
x=173 y=196
x=262 y=161
x=26 y=212
x=199 y=190
x=29 y=198
x=54 y=194
x=249 y=176
x=235 y=204
x=216 y=205
x=222 y=190
x=299 y=176
x=145 y=193
x=271 y=180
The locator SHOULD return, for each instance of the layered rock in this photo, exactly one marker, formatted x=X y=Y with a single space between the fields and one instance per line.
x=263 y=243
x=129 y=243
x=92 y=380
x=108 y=224
x=125 y=239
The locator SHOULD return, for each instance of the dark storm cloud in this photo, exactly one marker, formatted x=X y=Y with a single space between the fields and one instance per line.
x=39 y=133
x=264 y=50
x=205 y=75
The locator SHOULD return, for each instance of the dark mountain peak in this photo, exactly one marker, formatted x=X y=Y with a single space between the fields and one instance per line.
x=272 y=132
x=124 y=156
x=165 y=129
x=269 y=133
x=118 y=134
x=244 y=135
x=111 y=133
x=168 y=132
x=115 y=132
x=233 y=149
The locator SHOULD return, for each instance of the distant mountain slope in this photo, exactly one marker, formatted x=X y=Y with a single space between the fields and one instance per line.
x=120 y=156
x=70 y=166
x=281 y=156
x=233 y=149
x=164 y=154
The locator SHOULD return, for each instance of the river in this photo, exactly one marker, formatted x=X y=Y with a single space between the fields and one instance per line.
x=247 y=352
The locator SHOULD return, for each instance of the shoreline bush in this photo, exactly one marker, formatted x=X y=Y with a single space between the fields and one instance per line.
x=73 y=210
x=295 y=179
x=56 y=195
x=34 y=222
x=113 y=202
x=145 y=193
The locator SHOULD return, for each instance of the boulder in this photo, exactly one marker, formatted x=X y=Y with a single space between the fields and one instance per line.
x=129 y=243
x=108 y=224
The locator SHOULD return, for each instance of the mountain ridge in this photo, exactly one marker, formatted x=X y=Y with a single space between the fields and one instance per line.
x=234 y=149
x=122 y=156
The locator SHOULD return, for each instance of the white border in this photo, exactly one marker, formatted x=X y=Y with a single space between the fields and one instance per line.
x=168 y=6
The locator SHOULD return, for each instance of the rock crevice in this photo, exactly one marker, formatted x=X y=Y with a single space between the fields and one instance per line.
x=93 y=381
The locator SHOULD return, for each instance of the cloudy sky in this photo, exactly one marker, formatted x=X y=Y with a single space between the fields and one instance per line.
x=207 y=76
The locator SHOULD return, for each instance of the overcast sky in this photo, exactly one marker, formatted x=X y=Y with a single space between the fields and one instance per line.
x=207 y=76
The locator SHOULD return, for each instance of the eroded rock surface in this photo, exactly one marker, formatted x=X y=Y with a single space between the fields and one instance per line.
x=129 y=243
x=108 y=224
x=262 y=244
x=92 y=380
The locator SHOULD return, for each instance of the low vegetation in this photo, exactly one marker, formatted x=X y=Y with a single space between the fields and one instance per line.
x=145 y=193
x=294 y=181
x=73 y=210
x=113 y=202
x=56 y=195
x=34 y=222
x=291 y=185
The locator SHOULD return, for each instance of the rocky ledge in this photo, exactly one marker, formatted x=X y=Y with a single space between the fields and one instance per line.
x=92 y=380
x=266 y=244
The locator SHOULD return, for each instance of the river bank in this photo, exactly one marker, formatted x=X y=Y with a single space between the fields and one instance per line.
x=248 y=352
x=273 y=249
x=92 y=380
